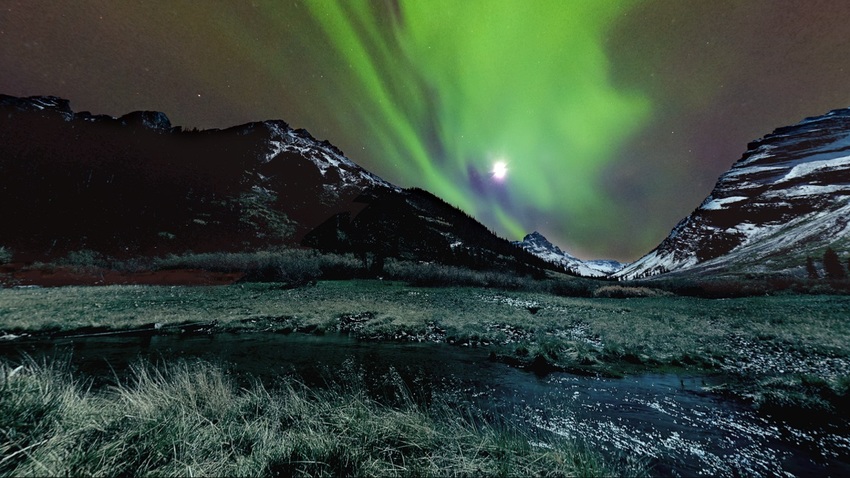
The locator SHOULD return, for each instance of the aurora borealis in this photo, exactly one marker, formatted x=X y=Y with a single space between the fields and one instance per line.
x=599 y=124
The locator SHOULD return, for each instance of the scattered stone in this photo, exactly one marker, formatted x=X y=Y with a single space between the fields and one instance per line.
x=580 y=332
x=512 y=333
x=201 y=328
x=9 y=337
x=432 y=333
x=510 y=301
x=353 y=323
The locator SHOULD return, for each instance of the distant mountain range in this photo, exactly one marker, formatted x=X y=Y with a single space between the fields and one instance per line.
x=787 y=199
x=137 y=186
x=538 y=245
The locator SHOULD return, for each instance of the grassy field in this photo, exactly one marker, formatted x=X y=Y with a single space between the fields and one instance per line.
x=783 y=351
x=191 y=419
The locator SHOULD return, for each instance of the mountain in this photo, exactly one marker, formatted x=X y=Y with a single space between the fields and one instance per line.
x=538 y=245
x=786 y=199
x=135 y=186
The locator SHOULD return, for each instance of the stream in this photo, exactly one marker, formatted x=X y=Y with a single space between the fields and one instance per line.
x=666 y=421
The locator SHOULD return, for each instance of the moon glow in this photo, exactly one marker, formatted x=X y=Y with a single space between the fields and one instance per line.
x=500 y=170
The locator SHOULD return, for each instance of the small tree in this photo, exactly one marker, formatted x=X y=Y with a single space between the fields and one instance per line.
x=832 y=266
x=5 y=255
x=811 y=270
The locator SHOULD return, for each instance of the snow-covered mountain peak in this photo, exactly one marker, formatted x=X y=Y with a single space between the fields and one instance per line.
x=538 y=245
x=154 y=120
x=283 y=139
x=537 y=240
x=50 y=104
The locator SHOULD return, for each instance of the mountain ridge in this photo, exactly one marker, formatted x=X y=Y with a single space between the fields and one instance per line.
x=137 y=185
x=786 y=199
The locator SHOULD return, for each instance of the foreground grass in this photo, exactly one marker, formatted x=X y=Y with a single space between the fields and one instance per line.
x=190 y=419
x=780 y=351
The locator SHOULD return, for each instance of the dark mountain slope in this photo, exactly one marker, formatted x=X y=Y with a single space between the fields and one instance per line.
x=136 y=186
x=414 y=224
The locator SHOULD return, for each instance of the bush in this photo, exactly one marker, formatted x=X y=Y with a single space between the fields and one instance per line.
x=293 y=268
x=290 y=265
x=624 y=292
x=5 y=255
x=84 y=259
x=217 y=261
x=572 y=287
x=440 y=275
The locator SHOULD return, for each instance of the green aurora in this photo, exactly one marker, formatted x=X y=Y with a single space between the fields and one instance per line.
x=449 y=88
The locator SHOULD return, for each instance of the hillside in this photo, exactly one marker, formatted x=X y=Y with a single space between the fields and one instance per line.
x=786 y=199
x=136 y=186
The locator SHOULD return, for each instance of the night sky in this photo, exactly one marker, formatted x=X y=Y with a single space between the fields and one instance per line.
x=598 y=123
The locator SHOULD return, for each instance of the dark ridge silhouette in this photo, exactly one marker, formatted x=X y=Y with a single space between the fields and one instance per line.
x=137 y=186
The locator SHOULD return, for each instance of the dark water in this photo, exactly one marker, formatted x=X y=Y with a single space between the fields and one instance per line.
x=666 y=420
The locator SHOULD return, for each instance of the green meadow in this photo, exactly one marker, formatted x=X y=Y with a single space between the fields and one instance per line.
x=780 y=352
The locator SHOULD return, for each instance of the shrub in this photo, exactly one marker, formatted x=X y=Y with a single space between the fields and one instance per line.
x=293 y=268
x=811 y=270
x=832 y=266
x=289 y=265
x=624 y=292
x=572 y=287
x=441 y=275
x=5 y=255
x=84 y=259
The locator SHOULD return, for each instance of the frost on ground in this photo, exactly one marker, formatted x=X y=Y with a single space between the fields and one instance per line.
x=679 y=431
x=758 y=358
x=573 y=330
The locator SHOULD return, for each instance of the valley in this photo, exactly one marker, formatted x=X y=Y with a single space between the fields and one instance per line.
x=781 y=351
x=661 y=379
x=293 y=313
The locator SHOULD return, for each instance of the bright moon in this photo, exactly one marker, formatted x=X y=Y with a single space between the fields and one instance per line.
x=500 y=170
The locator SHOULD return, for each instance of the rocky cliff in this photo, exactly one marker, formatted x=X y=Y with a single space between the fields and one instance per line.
x=784 y=200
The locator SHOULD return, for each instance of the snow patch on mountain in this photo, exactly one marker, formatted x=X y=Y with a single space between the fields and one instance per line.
x=325 y=156
x=809 y=167
x=48 y=104
x=722 y=202
x=606 y=266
